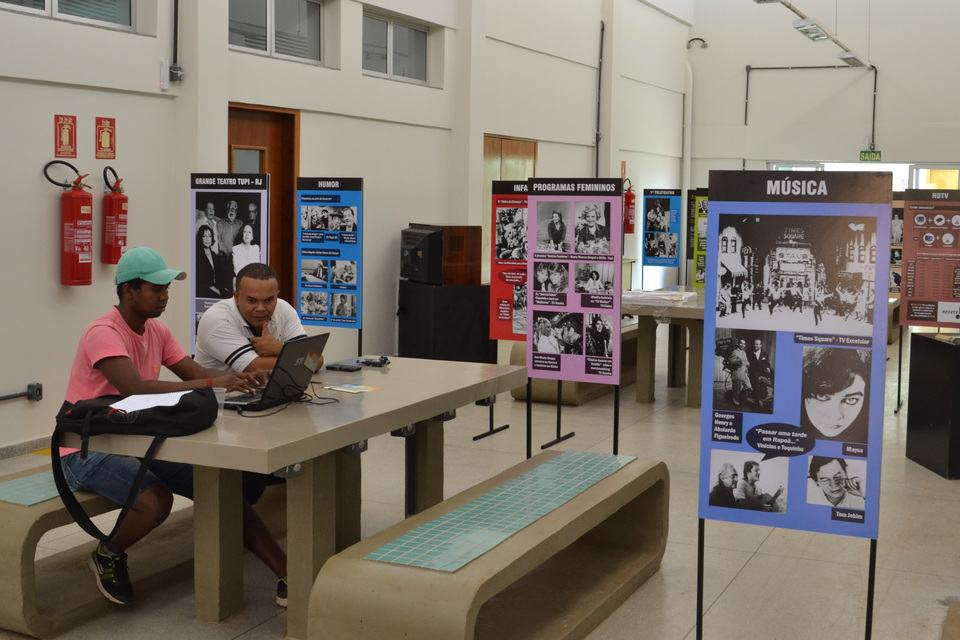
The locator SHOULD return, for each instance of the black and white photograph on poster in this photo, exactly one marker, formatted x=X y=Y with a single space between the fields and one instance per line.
x=314 y=270
x=896 y=257
x=313 y=303
x=599 y=335
x=812 y=273
x=327 y=218
x=837 y=482
x=245 y=252
x=658 y=214
x=835 y=389
x=348 y=219
x=594 y=277
x=553 y=225
x=511 y=233
x=343 y=272
x=895 y=279
x=593 y=227
x=744 y=370
x=560 y=333
x=896 y=227
x=344 y=305
x=551 y=276
x=744 y=480
x=520 y=308
x=214 y=276
x=235 y=229
x=660 y=245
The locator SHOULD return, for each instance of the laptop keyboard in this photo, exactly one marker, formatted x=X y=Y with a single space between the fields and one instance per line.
x=238 y=396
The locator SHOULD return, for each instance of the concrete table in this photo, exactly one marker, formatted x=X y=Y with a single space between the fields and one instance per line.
x=687 y=315
x=323 y=507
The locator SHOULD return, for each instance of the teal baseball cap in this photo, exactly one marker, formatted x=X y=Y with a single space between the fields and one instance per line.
x=146 y=264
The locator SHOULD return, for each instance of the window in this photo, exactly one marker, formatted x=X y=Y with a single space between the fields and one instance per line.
x=277 y=27
x=118 y=12
x=394 y=49
x=935 y=177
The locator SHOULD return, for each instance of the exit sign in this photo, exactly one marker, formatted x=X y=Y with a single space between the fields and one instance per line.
x=869 y=156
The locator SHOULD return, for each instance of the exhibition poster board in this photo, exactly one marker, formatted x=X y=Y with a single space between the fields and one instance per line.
x=508 y=261
x=699 y=211
x=662 y=227
x=792 y=420
x=896 y=243
x=230 y=214
x=329 y=267
x=574 y=248
x=930 y=289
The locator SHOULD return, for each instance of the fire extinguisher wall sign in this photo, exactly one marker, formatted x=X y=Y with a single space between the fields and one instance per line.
x=105 y=142
x=76 y=229
x=115 y=204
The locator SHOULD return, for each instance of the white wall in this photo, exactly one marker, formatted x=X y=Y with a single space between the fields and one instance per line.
x=527 y=69
x=823 y=115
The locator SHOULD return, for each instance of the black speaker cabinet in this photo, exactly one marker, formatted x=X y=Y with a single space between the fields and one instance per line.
x=445 y=323
x=933 y=416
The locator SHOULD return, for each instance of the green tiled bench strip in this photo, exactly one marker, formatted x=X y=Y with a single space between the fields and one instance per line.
x=30 y=489
x=455 y=538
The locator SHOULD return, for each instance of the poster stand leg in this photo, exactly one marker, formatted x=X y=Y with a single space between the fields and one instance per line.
x=529 y=418
x=700 y=580
x=489 y=402
x=899 y=367
x=871 y=580
x=616 y=419
x=559 y=438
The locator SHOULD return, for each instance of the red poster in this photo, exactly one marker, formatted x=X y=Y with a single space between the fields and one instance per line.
x=64 y=136
x=106 y=140
x=930 y=283
x=508 y=264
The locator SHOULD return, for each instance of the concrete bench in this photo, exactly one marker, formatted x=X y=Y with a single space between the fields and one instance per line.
x=556 y=578
x=46 y=597
x=574 y=392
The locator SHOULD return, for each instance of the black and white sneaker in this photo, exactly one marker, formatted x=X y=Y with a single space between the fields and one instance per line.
x=112 y=577
x=282 y=592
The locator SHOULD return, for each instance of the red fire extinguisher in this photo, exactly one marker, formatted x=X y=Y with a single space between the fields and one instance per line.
x=629 y=208
x=76 y=228
x=114 y=219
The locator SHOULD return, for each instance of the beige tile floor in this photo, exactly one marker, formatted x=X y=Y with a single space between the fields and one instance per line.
x=760 y=583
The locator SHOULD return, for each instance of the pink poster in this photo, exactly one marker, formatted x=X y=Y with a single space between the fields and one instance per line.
x=574 y=249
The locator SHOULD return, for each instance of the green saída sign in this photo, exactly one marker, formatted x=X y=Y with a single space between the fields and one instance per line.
x=869 y=156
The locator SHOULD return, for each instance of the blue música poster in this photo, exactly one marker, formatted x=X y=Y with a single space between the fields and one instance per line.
x=662 y=227
x=330 y=251
x=795 y=348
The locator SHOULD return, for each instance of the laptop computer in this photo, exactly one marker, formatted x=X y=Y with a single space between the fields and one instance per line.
x=295 y=366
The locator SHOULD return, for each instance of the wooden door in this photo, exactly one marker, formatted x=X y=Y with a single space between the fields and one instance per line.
x=264 y=140
x=503 y=159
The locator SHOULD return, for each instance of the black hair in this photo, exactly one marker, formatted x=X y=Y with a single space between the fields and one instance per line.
x=827 y=370
x=136 y=283
x=818 y=462
x=749 y=464
x=257 y=271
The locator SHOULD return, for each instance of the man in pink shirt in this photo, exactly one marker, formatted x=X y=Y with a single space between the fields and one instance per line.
x=121 y=352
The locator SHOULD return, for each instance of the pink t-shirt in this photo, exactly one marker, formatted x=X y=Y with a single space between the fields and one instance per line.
x=110 y=336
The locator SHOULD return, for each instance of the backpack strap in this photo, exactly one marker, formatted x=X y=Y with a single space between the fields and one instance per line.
x=73 y=505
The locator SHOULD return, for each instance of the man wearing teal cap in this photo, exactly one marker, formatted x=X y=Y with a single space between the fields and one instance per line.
x=121 y=352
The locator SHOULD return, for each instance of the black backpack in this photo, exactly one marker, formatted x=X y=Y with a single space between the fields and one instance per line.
x=195 y=411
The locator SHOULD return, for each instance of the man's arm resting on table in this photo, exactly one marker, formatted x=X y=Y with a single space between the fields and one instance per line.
x=122 y=374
